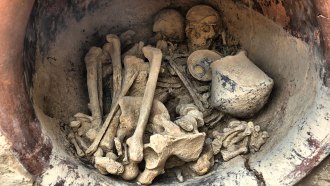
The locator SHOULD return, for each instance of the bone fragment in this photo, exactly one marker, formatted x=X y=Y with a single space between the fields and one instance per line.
x=127 y=37
x=247 y=132
x=131 y=171
x=136 y=50
x=191 y=117
x=235 y=150
x=168 y=85
x=101 y=170
x=215 y=122
x=229 y=138
x=75 y=124
x=91 y=134
x=107 y=140
x=114 y=50
x=98 y=153
x=135 y=143
x=217 y=143
x=257 y=140
x=80 y=116
x=187 y=84
x=81 y=142
x=111 y=166
x=125 y=159
x=186 y=147
x=187 y=123
x=112 y=155
x=162 y=45
x=92 y=61
x=223 y=37
x=161 y=124
x=84 y=128
x=129 y=108
x=118 y=146
x=80 y=153
x=132 y=65
x=106 y=123
x=205 y=162
x=234 y=123
x=159 y=118
x=100 y=86
x=148 y=175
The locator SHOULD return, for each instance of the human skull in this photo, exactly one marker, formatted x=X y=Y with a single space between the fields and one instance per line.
x=203 y=24
x=170 y=24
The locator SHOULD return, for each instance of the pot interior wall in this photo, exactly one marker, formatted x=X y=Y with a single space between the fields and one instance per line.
x=59 y=83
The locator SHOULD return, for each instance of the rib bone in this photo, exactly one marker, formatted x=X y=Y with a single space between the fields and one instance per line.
x=187 y=84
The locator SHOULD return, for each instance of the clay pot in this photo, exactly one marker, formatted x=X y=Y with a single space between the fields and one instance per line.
x=199 y=64
x=239 y=87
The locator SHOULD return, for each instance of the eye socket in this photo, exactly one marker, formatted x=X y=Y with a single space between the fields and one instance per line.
x=206 y=28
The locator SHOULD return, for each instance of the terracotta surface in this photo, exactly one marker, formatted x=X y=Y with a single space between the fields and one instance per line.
x=18 y=123
x=324 y=21
x=23 y=131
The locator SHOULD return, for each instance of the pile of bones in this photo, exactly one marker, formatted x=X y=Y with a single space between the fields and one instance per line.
x=165 y=113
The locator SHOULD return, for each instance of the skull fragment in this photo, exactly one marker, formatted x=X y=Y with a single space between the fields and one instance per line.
x=203 y=24
x=169 y=24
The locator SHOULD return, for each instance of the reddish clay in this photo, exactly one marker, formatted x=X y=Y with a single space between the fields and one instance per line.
x=18 y=123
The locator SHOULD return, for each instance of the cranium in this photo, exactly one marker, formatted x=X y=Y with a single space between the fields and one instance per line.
x=169 y=24
x=203 y=24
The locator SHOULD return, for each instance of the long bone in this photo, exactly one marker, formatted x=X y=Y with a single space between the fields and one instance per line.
x=132 y=65
x=159 y=120
x=91 y=149
x=72 y=139
x=100 y=84
x=135 y=143
x=113 y=49
x=92 y=61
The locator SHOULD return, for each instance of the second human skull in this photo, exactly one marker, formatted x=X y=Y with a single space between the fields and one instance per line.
x=203 y=24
